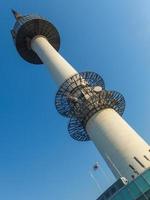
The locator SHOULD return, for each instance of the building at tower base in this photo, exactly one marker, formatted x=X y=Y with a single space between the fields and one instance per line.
x=137 y=189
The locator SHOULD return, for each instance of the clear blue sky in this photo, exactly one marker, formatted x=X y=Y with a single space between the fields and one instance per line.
x=38 y=159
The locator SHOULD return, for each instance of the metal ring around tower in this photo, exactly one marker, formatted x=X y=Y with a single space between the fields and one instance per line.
x=112 y=99
x=107 y=99
x=77 y=131
x=81 y=80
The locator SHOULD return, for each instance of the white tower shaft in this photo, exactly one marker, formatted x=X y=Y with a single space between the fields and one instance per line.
x=118 y=143
x=59 y=68
x=121 y=147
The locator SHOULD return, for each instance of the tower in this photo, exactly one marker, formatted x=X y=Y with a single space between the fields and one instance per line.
x=94 y=112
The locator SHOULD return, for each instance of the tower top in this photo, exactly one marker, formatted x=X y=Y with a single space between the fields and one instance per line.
x=26 y=28
x=16 y=14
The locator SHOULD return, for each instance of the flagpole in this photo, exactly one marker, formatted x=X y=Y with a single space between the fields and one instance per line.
x=96 y=182
x=101 y=171
x=106 y=176
x=114 y=166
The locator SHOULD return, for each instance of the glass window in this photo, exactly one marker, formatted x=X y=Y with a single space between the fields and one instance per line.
x=138 y=189
x=126 y=195
x=147 y=194
x=113 y=190
x=117 y=197
x=133 y=189
x=123 y=195
x=142 y=184
x=107 y=195
x=146 y=175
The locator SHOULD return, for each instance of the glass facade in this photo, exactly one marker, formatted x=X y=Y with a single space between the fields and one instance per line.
x=120 y=183
x=138 y=189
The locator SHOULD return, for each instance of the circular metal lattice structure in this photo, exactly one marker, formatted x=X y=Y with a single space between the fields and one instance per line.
x=26 y=28
x=93 y=79
x=83 y=95
x=77 y=131
x=105 y=99
x=112 y=99
x=72 y=90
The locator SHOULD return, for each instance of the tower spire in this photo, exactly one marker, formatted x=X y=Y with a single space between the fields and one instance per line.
x=16 y=14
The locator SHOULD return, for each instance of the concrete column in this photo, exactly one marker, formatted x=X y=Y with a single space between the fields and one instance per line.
x=118 y=143
x=59 y=68
x=123 y=149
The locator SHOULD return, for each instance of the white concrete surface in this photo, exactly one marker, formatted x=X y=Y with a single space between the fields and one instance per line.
x=118 y=143
x=59 y=68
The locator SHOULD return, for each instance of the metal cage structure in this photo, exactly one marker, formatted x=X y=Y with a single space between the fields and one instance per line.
x=80 y=97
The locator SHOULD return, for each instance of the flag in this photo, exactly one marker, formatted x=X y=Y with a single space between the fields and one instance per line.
x=96 y=166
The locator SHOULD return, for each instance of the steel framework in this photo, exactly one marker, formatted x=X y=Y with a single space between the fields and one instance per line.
x=80 y=97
